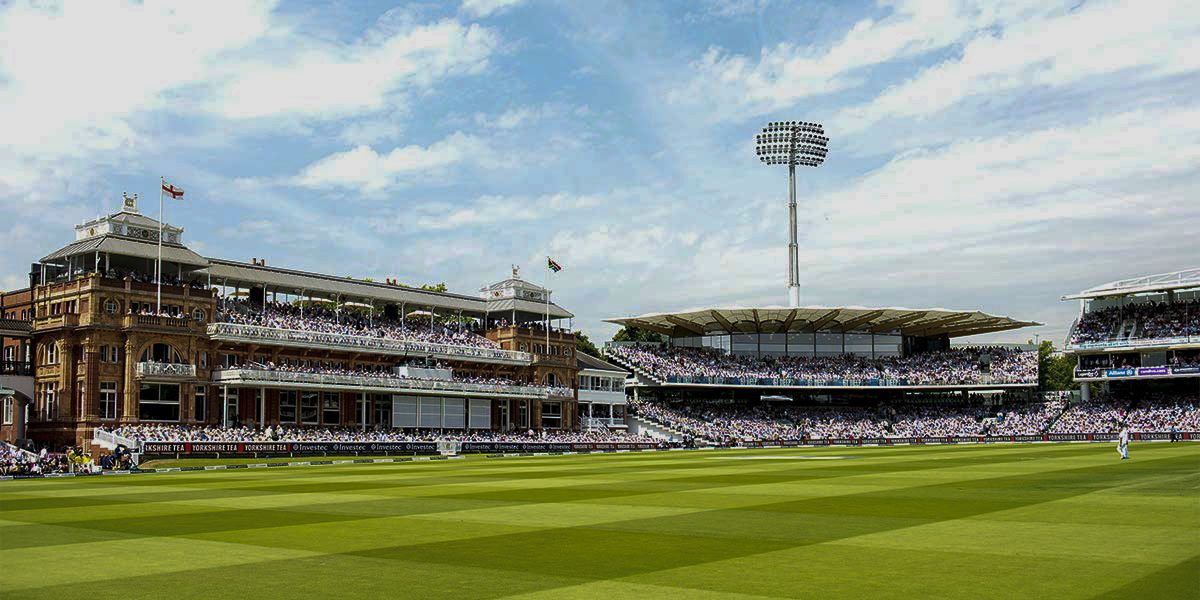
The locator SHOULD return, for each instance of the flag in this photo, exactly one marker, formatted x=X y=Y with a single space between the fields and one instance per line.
x=553 y=266
x=175 y=192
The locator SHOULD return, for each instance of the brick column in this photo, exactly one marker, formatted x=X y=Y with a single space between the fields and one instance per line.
x=91 y=382
x=129 y=394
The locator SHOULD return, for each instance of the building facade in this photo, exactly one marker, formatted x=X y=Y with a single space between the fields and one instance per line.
x=230 y=343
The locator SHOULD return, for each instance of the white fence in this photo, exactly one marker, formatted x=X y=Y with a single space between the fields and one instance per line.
x=339 y=341
x=110 y=440
x=396 y=384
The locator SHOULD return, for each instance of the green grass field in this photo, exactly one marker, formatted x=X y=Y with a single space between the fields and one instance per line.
x=1010 y=521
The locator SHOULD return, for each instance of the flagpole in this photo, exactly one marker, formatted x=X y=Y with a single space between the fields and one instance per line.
x=158 y=275
x=546 y=280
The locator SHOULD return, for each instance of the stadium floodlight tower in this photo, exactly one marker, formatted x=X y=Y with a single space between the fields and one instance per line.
x=792 y=143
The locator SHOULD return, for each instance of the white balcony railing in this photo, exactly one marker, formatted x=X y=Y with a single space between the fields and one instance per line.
x=339 y=341
x=1134 y=342
x=368 y=382
x=110 y=440
x=165 y=370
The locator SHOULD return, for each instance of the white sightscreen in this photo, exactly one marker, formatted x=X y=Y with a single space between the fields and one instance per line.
x=431 y=413
x=404 y=411
x=480 y=416
x=456 y=413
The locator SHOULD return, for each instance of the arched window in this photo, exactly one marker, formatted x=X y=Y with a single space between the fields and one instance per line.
x=111 y=307
x=162 y=353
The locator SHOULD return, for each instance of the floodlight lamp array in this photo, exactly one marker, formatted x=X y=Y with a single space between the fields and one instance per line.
x=792 y=143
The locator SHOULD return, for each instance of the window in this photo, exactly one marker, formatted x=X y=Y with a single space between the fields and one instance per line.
x=114 y=354
x=552 y=415
x=158 y=402
x=330 y=411
x=108 y=400
x=110 y=307
x=8 y=410
x=47 y=408
x=231 y=361
x=162 y=353
x=198 y=314
x=287 y=406
x=50 y=354
x=204 y=360
x=231 y=407
x=309 y=408
x=201 y=403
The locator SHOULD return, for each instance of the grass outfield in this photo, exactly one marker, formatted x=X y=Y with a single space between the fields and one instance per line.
x=1009 y=521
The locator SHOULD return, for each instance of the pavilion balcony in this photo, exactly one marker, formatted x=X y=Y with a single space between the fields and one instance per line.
x=165 y=371
x=165 y=323
x=373 y=383
x=42 y=323
x=254 y=334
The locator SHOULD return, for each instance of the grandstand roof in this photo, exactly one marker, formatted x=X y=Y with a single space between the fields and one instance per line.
x=778 y=319
x=296 y=282
x=124 y=246
x=1175 y=280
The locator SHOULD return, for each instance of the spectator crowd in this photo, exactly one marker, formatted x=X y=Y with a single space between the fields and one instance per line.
x=724 y=422
x=1151 y=320
x=319 y=319
x=278 y=433
x=946 y=367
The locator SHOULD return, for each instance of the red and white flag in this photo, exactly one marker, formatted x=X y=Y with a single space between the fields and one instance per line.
x=175 y=192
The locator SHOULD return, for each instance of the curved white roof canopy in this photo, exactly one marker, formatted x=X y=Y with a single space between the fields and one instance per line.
x=1175 y=280
x=777 y=319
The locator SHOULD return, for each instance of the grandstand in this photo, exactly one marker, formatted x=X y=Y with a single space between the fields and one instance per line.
x=237 y=344
x=822 y=349
x=1144 y=328
x=736 y=374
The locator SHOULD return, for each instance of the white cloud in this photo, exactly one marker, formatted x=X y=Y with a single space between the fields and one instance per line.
x=327 y=80
x=481 y=9
x=734 y=86
x=72 y=77
x=364 y=169
x=492 y=210
x=373 y=130
x=525 y=116
x=1140 y=40
x=93 y=89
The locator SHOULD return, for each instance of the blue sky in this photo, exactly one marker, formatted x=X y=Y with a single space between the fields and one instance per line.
x=984 y=155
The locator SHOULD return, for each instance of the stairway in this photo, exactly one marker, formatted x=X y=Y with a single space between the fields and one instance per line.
x=637 y=371
x=641 y=425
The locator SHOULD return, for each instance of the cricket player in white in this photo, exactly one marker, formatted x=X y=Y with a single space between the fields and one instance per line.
x=1123 y=443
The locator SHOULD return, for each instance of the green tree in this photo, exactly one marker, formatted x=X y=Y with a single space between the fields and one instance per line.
x=584 y=345
x=635 y=334
x=1056 y=371
x=435 y=287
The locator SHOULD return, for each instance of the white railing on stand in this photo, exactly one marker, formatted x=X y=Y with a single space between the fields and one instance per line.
x=256 y=333
x=265 y=376
x=110 y=440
